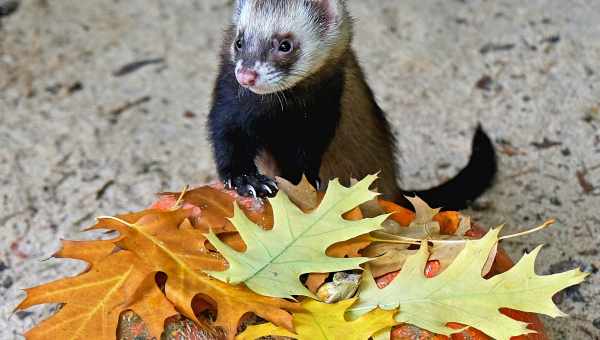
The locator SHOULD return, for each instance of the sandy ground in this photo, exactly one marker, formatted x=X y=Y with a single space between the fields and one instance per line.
x=78 y=140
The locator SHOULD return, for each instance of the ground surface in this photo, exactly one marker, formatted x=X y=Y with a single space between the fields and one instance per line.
x=77 y=141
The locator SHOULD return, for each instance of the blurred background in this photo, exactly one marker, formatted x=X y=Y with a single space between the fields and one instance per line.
x=103 y=103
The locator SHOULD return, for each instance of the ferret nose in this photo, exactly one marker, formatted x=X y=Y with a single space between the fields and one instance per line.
x=246 y=77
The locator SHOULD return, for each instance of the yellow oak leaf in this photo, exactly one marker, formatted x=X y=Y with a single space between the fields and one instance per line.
x=461 y=295
x=326 y=321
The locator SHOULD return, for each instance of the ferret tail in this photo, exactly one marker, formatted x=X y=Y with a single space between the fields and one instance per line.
x=470 y=183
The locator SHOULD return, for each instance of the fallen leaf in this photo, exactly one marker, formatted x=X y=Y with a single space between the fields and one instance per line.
x=303 y=195
x=387 y=257
x=297 y=244
x=393 y=245
x=92 y=301
x=326 y=321
x=215 y=208
x=461 y=295
x=178 y=253
x=424 y=214
x=89 y=251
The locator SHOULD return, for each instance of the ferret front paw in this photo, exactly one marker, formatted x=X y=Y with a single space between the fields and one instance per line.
x=253 y=185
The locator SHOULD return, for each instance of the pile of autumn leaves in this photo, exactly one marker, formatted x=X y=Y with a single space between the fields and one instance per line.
x=202 y=255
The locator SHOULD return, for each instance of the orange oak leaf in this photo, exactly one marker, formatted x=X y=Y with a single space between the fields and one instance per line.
x=213 y=206
x=179 y=253
x=94 y=300
x=121 y=276
x=152 y=306
x=89 y=251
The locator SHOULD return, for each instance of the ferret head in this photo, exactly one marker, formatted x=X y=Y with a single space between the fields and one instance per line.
x=278 y=43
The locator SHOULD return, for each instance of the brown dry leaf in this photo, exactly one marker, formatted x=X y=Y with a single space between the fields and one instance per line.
x=304 y=195
x=489 y=264
x=92 y=301
x=390 y=257
x=426 y=224
x=423 y=212
x=157 y=239
x=446 y=253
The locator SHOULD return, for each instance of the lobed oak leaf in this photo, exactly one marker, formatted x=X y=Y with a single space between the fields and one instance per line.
x=92 y=301
x=326 y=321
x=213 y=207
x=461 y=295
x=91 y=252
x=179 y=253
x=297 y=244
x=387 y=257
x=303 y=195
x=307 y=198
x=394 y=245
x=424 y=214
x=150 y=304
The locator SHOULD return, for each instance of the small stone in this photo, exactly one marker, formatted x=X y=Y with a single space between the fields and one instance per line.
x=8 y=282
x=8 y=7
x=343 y=287
x=485 y=83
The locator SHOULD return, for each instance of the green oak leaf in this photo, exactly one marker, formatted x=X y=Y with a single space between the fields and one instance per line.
x=275 y=259
x=459 y=294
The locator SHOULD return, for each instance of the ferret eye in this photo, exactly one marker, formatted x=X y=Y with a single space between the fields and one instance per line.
x=286 y=46
x=239 y=43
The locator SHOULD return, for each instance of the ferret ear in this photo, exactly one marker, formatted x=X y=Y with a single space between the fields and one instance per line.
x=333 y=8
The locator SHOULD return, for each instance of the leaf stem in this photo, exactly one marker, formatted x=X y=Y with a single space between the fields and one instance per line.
x=180 y=199
x=408 y=240
x=116 y=219
x=401 y=241
x=530 y=231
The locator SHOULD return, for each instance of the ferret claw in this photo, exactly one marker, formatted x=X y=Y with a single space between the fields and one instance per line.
x=251 y=190
x=257 y=186
x=267 y=189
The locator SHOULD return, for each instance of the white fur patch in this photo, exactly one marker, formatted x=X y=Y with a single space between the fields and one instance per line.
x=262 y=19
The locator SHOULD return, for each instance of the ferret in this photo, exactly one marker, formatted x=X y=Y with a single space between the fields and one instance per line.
x=291 y=99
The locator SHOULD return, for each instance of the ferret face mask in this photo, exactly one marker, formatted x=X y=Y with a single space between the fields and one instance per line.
x=278 y=43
